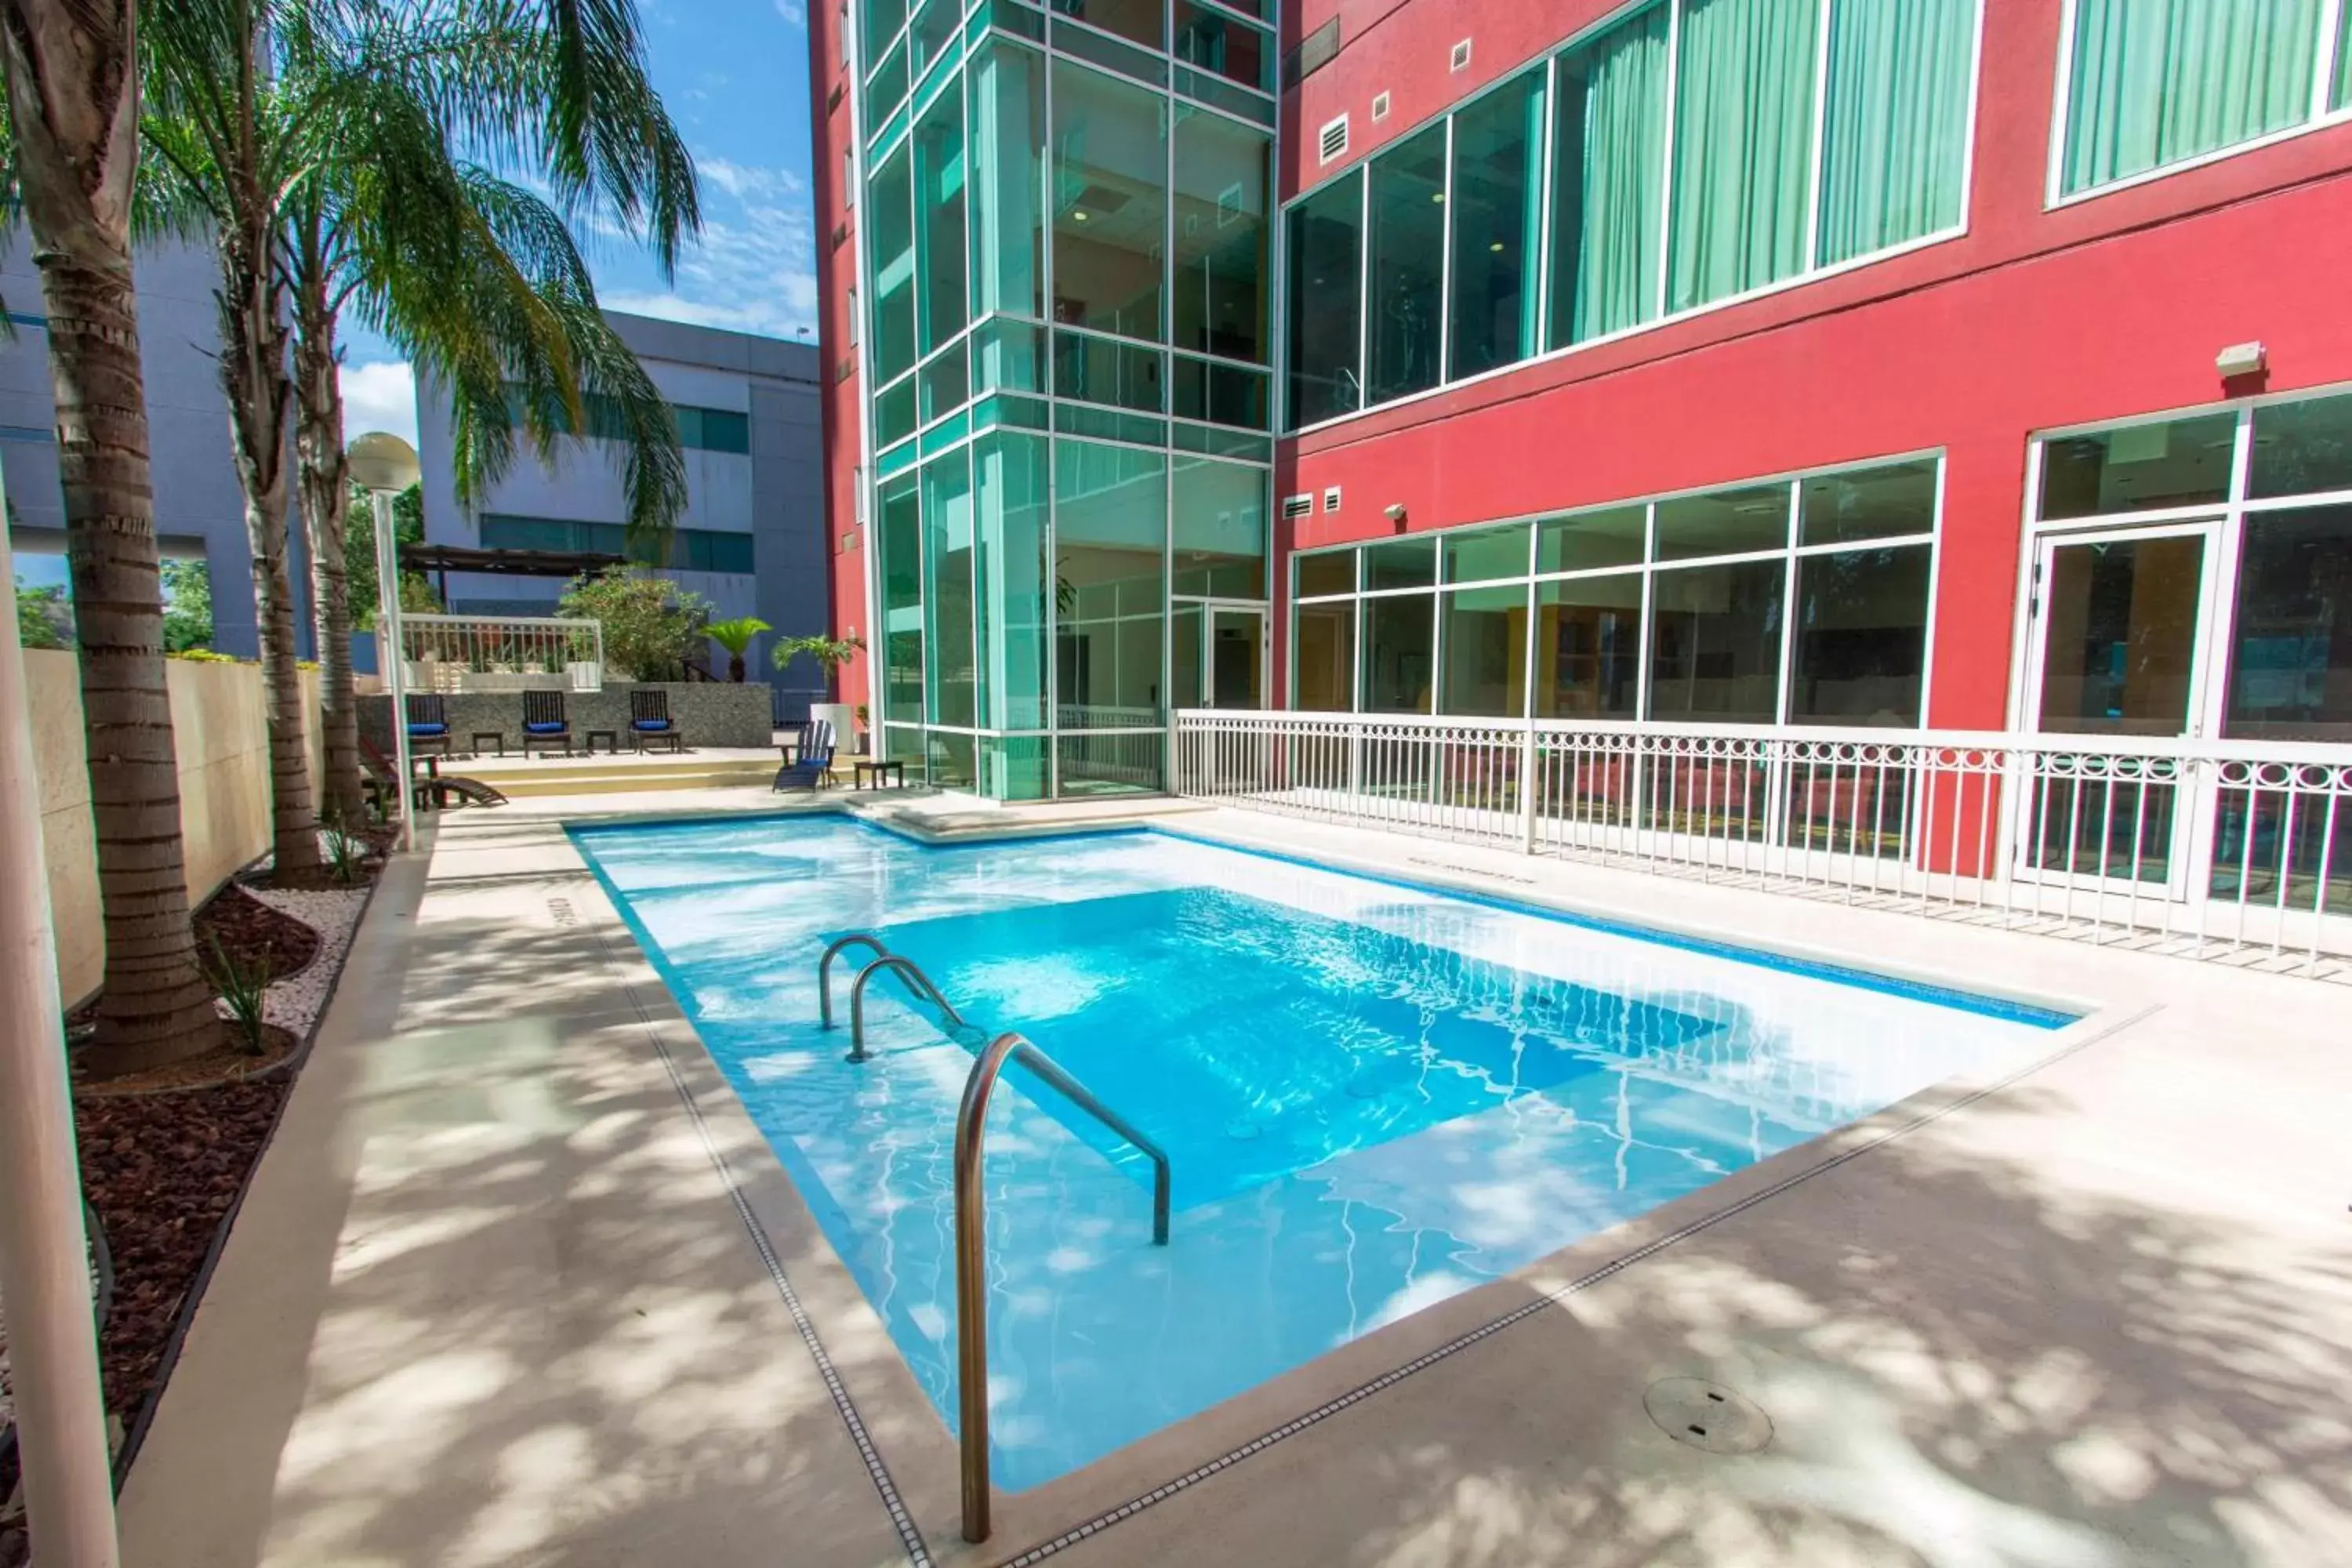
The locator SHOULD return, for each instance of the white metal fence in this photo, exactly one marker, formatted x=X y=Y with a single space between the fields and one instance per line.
x=502 y=653
x=2202 y=848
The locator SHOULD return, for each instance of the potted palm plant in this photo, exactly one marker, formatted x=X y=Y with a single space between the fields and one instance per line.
x=736 y=637
x=831 y=654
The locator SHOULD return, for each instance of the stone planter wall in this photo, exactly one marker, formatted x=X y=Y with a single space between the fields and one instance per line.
x=707 y=713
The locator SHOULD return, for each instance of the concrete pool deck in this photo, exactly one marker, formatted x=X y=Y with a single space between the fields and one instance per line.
x=502 y=1293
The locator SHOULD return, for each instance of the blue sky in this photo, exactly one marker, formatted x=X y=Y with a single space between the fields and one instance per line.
x=734 y=74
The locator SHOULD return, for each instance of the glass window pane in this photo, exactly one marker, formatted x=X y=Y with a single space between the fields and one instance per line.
x=1408 y=263
x=1895 y=130
x=1715 y=642
x=1008 y=128
x=1614 y=537
x=1112 y=764
x=1221 y=393
x=934 y=30
x=2301 y=447
x=1872 y=503
x=1589 y=648
x=1323 y=656
x=2156 y=81
x=1010 y=487
x=2291 y=653
x=890 y=231
x=1223 y=172
x=1110 y=533
x=894 y=413
x=1110 y=203
x=882 y=21
x=1618 y=536
x=2138 y=468
x=2120 y=646
x=1400 y=645
x=948 y=586
x=1498 y=199
x=1186 y=624
x=899 y=538
x=1139 y=21
x=1862 y=637
x=2340 y=96
x=1013 y=767
x=1008 y=356
x=1225 y=44
x=1219 y=527
x=1725 y=523
x=1332 y=572
x=1401 y=564
x=948 y=761
x=1608 y=151
x=1487 y=652
x=1327 y=256
x=1487 y=555
x=945 y=383
x=1743 y=147
x=888 y=88
x=1103 y=370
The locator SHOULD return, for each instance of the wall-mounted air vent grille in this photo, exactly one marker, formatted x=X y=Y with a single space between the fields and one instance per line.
x=1332 y=140
x=1460 y=57
x=1331 y=499
x=1380 y=107
x=840 y=234
x=1297 y=506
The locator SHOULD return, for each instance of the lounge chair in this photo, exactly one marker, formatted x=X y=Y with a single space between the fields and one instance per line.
x=649 y=719
x=812 y=765
x=428 y=792
x=544 y=724
x=428 y=724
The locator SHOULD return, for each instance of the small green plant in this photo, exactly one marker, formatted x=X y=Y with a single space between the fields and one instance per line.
x=830 y=653
x=735 y=636
x=346 y=853
x=245 y=986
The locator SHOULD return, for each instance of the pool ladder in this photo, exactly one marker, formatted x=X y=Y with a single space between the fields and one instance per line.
x=970 y=1199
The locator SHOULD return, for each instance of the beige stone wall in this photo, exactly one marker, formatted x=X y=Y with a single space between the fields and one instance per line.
x=218 y=731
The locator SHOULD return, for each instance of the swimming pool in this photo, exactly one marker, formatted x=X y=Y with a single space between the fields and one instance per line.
x=1373 y=1095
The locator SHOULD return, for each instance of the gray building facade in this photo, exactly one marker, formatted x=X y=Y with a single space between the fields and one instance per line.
x=752 y=538
x=199 y=509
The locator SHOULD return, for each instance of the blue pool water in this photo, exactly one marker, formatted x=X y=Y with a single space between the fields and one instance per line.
x=1373 y=1096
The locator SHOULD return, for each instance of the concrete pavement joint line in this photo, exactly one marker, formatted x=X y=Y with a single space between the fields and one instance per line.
x=918 y=1554
x=1547 y=1300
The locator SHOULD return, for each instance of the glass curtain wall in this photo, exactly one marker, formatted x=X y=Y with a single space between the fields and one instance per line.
x=1683 y=153
x=1799 y=601
x=1069 y=217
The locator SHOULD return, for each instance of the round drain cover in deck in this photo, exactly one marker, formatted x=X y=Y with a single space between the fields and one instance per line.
x=1708 y=1415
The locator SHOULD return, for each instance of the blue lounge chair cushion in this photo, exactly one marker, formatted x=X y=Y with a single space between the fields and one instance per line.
x=552 y=727
x=653 y=726
x=428 y=729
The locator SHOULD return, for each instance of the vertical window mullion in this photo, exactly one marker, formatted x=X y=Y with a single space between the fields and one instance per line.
x=1363 y=288
x=1813 y=174
x=2323 y=80
x=1666 y=187
x=1642 y=708
x=1447 y=235
x=1788 y=606
x=1540 y=244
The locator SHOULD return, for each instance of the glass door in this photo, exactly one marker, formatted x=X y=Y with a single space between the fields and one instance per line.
x=1237 y=675
x=2123 y=636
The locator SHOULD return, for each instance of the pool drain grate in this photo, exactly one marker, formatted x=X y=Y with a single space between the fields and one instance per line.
x=1707 y=1415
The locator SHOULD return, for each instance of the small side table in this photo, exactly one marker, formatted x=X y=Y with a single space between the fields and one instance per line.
x=866 y=767
x=612 y=738
x=495 y=737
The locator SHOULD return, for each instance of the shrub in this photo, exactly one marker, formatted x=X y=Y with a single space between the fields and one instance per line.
x=245 y=986
x=651 y=627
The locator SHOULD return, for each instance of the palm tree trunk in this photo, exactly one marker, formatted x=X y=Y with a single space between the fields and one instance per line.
x=326 y=489
x=254 y=377
x=74 y=116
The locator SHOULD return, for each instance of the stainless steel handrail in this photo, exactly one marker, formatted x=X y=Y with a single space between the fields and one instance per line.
x=824 y=970
x=909 y=975
x=972 y=1244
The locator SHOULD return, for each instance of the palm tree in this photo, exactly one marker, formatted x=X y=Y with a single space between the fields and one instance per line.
x=73 y=102
x=735 y=636
x=475 y=278
x=225 y=136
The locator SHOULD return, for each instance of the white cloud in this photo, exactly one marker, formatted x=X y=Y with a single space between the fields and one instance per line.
x=754 y=269
x=381 y=396
x=793 y=11
x=750 y=182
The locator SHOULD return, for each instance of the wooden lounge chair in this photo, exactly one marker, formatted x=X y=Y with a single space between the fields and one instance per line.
x=650 y=722
x=544 y=724
x=812 y=765
x=428 y=792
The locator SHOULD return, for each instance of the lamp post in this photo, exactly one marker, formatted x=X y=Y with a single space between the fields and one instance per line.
x=384 y=465
x=44 y=1251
